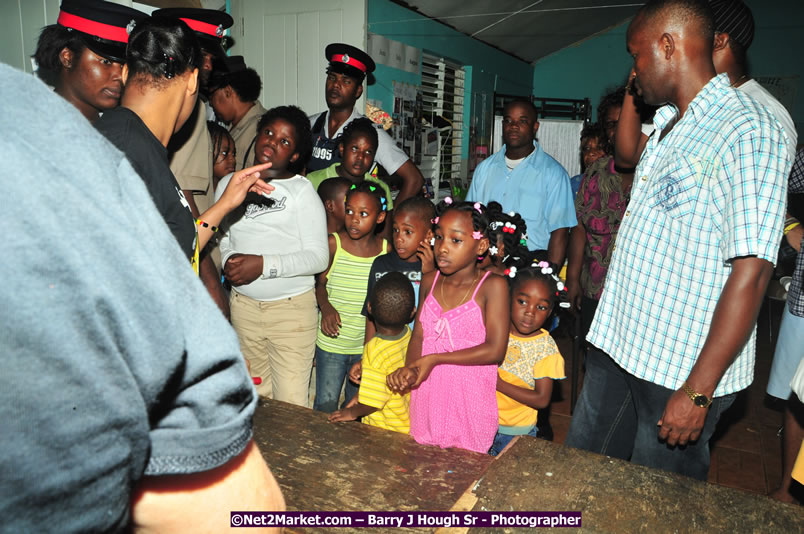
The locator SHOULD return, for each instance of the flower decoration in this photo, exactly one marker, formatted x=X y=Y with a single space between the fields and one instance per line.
x=493 y=251
x=435 y=221
x=477 y=235
x=510 y=272
x=448 y=200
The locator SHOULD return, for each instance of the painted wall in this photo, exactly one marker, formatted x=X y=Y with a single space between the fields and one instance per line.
x=488 y=69
x=588 y=68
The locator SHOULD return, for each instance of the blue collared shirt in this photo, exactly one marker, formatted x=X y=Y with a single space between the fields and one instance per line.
x=538 y=189
x=712 y=190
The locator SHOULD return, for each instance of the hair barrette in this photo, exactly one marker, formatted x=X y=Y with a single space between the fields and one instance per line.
x=353 y=187
x=477 y=235
x=169 y=68
x=448 y=200
x=372 y=188
x=493 y=225
x=512 y=214
x=493 y=251
x=478 y=207
x=435 y=221
x=384 y=202
x=523 y=242
x=432 y=241
x=510 y=272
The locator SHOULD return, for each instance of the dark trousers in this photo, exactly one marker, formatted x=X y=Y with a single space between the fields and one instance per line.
x=617 y=415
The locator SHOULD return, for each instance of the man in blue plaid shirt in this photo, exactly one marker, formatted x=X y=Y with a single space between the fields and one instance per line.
x=674 y=335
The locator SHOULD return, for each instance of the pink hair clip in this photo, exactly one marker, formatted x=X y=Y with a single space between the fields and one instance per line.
x=435 y=221
x=447 y=200
x=478 y=206
x=477 y=235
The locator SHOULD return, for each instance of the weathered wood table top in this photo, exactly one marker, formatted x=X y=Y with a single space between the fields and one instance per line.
x=621 y=497
x=324 y=466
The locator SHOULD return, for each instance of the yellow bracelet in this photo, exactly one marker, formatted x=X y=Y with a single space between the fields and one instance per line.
x=199 y=222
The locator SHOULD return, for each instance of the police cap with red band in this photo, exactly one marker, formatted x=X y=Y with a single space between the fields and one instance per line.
x=103 y=26
x=349 y=60
x=208 y=25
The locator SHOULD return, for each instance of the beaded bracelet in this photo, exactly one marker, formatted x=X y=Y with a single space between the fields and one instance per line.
x=199 y=222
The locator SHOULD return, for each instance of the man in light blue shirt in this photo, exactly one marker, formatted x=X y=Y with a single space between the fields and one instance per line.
x=524 y=179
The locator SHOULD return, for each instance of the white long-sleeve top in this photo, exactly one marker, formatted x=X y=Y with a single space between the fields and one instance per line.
x=289 y=232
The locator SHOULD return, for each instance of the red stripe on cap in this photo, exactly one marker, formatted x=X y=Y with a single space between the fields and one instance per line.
x=92 y=27
x=349 y=60
x=203 y=27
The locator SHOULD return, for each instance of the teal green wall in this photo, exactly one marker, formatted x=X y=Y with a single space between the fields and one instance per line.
x=588 y=68
x=488 y=69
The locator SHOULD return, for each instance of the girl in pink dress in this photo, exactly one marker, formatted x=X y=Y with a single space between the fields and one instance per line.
x=459 y=337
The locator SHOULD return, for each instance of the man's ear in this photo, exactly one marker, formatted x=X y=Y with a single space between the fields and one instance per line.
x=668 y=45
x=721 y=41
x=535 y=128
x=124 y=73
x=359 y=91
x=66 y=58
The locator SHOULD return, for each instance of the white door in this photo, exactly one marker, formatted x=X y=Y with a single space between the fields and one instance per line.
x=284 y=42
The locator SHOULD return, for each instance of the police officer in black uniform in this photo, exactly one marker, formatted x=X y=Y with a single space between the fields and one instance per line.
x=347 y=69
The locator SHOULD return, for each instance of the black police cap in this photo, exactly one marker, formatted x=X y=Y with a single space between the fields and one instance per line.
x=349 y=60
x=103 y=26
x=208 y=25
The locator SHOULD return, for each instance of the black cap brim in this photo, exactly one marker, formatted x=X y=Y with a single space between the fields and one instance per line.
x=112 y=50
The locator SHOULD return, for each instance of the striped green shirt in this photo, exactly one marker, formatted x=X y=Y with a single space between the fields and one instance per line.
x=347 y=281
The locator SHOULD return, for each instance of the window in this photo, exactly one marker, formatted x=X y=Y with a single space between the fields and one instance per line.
x=442 y=108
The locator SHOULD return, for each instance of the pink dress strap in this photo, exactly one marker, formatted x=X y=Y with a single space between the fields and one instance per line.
x=480 y=284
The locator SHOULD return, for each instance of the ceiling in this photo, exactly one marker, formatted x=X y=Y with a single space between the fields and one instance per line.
x=527 y=29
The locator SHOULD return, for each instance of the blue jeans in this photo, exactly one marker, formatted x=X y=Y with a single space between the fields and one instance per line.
x=330 y=371
x=501 y=440
x=617 y=414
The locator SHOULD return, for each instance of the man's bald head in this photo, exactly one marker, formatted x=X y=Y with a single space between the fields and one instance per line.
x=695 y=16
x=671 y=42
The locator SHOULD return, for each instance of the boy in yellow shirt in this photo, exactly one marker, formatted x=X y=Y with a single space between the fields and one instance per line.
x=392 y=304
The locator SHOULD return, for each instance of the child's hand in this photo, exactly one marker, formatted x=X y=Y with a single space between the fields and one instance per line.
x=422 y=367
x=425 y=254
x=242 y=269
x=342 y=415
x=241 y=183
x=356 y=372
x=401 y=379
x=330 y=321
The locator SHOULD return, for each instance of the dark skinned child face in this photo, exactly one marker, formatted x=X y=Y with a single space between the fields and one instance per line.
x=276 y=143
x=455 y=248
x=409 y=230
x=530 y=306
x=358 y=156
x=363 y=214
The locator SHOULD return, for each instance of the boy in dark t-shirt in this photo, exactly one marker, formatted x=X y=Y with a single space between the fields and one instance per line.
x=412 y=253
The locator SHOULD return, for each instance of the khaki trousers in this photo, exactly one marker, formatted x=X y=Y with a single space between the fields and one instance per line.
x=278 y=340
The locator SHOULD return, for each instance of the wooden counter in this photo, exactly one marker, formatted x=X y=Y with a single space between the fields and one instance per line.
x=323 y=466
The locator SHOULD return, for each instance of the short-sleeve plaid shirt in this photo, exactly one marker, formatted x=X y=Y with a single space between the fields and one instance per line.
x=795 y=297
x=712 y=190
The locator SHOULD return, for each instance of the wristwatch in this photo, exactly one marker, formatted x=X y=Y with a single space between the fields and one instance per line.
x=699 y=399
